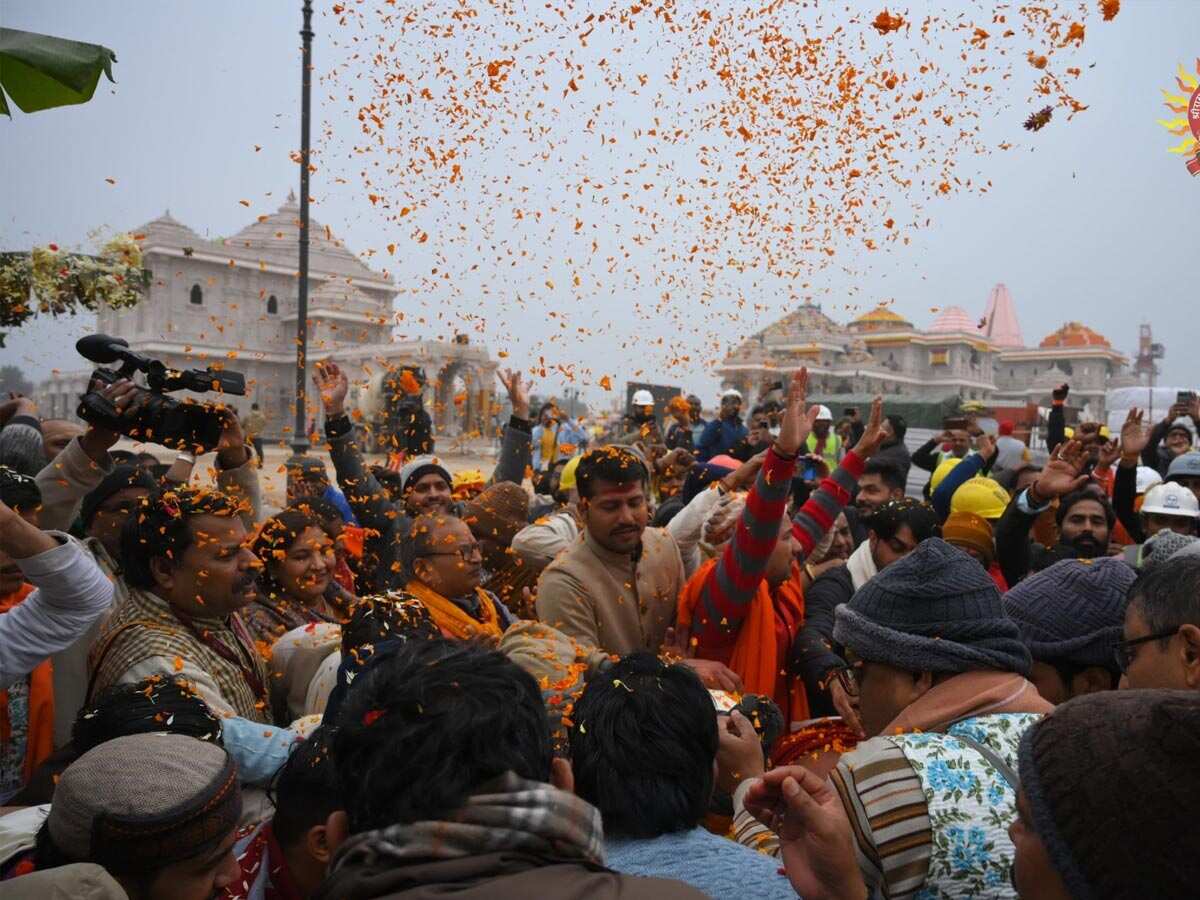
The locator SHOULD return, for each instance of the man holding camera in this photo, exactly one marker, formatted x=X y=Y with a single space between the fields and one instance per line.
x=83 y=483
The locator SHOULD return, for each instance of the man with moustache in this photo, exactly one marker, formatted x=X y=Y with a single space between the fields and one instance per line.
x=188 y=572
x=617 y=588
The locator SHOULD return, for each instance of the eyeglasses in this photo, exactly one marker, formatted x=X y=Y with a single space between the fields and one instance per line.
x=1124 y=651
x=462 y=551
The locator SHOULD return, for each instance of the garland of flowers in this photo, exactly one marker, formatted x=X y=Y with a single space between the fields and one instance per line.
x=55 y=282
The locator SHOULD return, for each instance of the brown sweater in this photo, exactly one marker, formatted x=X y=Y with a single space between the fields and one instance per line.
x=615 y=602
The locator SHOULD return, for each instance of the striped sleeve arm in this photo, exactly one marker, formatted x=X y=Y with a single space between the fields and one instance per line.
x=817 y=515
x=888 y=815
x=747 y=830
x=733 y=581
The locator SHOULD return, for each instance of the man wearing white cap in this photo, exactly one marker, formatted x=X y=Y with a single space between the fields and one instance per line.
x=823 y=441
x=723 y=432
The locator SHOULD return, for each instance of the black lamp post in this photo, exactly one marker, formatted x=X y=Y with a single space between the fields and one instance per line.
x=300 y=437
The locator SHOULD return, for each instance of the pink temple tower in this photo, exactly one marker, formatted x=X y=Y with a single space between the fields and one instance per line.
x=1000 y=319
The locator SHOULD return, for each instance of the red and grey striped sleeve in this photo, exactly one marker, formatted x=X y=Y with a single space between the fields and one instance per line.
x=733 y=581
x=816 y=516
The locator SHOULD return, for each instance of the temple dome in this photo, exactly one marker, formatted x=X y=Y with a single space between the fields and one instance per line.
x=1075 y=334
x=880 y=319
x=953 y=319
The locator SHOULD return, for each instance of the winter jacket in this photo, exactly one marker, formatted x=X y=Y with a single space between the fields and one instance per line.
x=719 y=437
x=616 y=602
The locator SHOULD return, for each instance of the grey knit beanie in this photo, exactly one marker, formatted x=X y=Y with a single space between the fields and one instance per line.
x=935 y=610
x=1163 y=546
x=1073 y=611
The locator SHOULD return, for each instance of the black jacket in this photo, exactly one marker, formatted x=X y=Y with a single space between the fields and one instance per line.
x=813 y=653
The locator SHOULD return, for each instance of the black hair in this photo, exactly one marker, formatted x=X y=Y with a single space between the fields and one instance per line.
x=305 y=789
x=615 y=464
x=889 y=473
x=385 y=617
x=275 y=538
x=1168 y=596
x=643 y=741
x=920 y=517
x=167 y=704
x=1087 y=492
x=420 y=540
x=549 y=404
x=144 y=458
x=20 y=492
x=123 y=457
x=899 y=426
x=159 y=527
x=318 y=508
x=432 y=724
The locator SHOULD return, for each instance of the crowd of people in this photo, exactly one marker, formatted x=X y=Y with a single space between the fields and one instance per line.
x=725 y=658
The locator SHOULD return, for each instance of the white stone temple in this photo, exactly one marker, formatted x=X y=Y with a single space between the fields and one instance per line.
x=232 y=302
x=981 y=358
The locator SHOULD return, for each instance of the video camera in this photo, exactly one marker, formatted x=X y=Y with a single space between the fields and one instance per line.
x=179 y=424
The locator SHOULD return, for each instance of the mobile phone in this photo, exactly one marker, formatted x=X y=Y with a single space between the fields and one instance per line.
x=1184 y=398
x=810 y=471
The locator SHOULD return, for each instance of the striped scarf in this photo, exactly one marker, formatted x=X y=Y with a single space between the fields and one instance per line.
x=509 y=813
x=145 y=626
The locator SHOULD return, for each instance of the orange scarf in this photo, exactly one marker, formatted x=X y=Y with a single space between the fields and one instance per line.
x=756 y=653
x=39 y=737
x=453 y=622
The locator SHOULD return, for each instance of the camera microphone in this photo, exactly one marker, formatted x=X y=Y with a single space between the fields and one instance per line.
x=100 y=348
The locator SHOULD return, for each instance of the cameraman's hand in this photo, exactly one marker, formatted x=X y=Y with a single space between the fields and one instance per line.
x=333 y=386
x=98 y=440
x=231 y=448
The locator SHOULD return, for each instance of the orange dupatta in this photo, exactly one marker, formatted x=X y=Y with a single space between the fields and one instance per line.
x=755 y=655
x=39 y=736
x=453 y=622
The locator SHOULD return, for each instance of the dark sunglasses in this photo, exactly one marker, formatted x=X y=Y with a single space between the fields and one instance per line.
x=1124 y=651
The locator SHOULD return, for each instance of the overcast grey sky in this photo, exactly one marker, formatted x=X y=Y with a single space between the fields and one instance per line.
x=1096 y=223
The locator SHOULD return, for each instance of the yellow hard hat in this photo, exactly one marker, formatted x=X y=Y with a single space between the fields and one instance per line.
x=940 y=473
x=984 y=497
x=566 y=478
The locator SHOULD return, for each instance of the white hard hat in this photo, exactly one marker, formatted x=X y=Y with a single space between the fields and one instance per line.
x=824 y=414
x=1147 y=478
x=643 y=398
x=1171 y=500
x=732 y=392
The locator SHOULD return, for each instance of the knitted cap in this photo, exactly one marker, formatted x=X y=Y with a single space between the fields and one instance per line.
x=934 y=610
x=420 y=466
x=498 y=513
x=118 y=479
x=967 y=530
x=1110 y=779
x=1072 y=611
x=1163 y=546
x=145 y=801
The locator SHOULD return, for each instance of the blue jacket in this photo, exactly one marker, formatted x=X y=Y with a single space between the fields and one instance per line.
x=719 y=436
x=715 y=865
